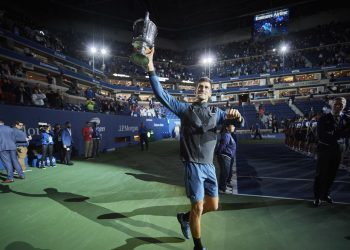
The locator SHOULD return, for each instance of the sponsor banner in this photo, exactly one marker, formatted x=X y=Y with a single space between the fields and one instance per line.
x=264 y=136
x=110 y=126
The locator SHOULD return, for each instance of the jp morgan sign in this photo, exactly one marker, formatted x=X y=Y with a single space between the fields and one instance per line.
x=127 y=128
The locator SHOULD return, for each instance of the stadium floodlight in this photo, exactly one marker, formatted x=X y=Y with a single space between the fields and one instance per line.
x=93 y=50
x=104 y=51
x=207 y=61
x=283 y=50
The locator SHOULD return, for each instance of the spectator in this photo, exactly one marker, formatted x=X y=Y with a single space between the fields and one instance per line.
x=50 y=79
x=87 y=136
x=38 y=97
x=22 y=142
x=225 y=153
x=51 y=98
x=256 y=131
x=90 y=105
x=143 y=136
x=47 y=147
x=90 y=94
x=57 y=142
x=96 y=140
x=67 y=142
x=22 y=95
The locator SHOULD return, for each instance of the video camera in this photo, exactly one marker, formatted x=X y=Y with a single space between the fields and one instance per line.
x=42 y=126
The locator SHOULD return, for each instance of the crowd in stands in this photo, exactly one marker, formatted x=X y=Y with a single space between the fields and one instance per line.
x=22 y=93
x=319 y=46
x=25 y=27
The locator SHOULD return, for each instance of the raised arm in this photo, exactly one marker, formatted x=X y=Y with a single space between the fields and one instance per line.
x=163 y=96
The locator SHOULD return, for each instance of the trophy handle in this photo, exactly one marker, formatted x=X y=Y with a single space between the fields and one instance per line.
x=138 y=20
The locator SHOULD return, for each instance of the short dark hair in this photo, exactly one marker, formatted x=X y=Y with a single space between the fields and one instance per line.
x=341 y=99
x=204 y=79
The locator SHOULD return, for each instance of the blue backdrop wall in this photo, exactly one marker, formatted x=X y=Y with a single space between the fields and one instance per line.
x=117 y=131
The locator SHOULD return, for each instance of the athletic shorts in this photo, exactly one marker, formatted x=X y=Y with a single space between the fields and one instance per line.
x=200 y=180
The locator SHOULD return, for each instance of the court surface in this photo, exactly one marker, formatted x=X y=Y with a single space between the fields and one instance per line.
x=128 y=199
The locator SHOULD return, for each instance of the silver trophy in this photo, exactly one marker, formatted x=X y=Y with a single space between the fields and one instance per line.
x=145 y=32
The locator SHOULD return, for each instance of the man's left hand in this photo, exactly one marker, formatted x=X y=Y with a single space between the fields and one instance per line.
x=233 y=114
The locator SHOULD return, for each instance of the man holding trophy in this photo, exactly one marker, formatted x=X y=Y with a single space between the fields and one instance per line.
x=199 y=124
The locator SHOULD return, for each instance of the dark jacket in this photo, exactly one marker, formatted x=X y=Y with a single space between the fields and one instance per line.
x=198 y=124
x=21 y=138
x=329 y=132
x=227 y=145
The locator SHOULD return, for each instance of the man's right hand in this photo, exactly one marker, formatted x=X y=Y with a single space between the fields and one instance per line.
x=149 y=54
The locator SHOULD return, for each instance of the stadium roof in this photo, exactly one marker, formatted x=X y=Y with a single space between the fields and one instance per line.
x=176 y=19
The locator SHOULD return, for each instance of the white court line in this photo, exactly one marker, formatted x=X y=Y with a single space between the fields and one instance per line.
x=289 y=179
x=288 y=198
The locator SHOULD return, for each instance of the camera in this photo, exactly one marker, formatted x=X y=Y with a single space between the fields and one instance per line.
x=42 y=126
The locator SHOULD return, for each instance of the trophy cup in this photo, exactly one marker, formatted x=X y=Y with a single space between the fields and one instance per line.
x=145 y=32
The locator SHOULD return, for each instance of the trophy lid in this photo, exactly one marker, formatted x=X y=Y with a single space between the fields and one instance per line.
x=144 y=34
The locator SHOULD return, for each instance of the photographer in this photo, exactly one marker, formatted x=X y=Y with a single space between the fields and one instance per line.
x=332 y=130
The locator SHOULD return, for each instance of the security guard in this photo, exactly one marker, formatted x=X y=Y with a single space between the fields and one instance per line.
x=332 y=130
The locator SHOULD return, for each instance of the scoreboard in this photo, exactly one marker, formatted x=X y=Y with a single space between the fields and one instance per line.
x=271 y=23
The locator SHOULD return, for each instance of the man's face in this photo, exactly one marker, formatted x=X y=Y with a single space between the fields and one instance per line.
x=19 y=126
x=231 y=128
x=337 y=106
x=203 y=91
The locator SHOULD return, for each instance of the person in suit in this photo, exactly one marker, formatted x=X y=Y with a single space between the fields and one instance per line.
x=67 y=142
x=256 y=131
x=96 y=140
x=143 y=135
x=22 y=142
x=57 y=142
x=225 y=152
x=332 y=129
x=8 y=152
